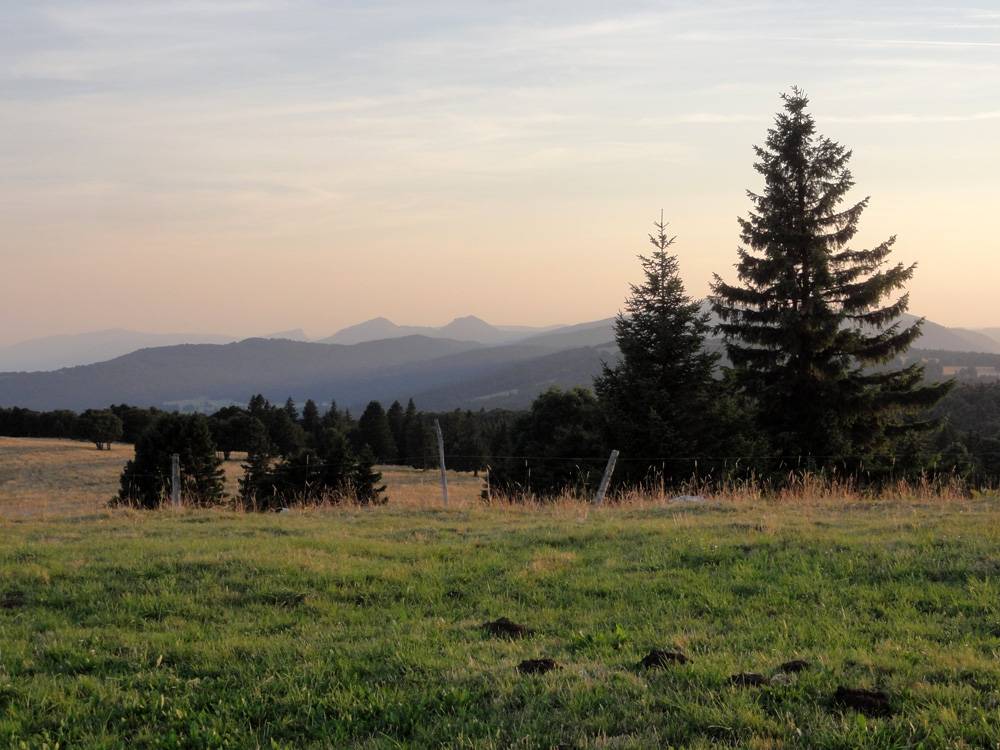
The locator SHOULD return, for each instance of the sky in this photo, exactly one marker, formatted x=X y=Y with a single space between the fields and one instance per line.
x=248 y=166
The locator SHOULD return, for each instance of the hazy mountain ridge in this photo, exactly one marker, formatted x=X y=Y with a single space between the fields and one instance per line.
x=154 y=377
x=993 y=333
x=69 y=350
x=466 y=328
x=439 y=372
x=55 y=352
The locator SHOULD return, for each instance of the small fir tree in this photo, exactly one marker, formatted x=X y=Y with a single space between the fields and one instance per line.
x=366 y=482
x=145 y=480
x=660 y=398
x=256 y=486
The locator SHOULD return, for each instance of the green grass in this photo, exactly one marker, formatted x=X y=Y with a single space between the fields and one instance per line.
x=359 y=628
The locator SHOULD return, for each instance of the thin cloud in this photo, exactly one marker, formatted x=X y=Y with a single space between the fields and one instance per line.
x=918 y=119
x=902 y=118
x=720 y=37
x=704 y=118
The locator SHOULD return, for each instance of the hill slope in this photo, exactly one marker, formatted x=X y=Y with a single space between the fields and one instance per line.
x=468 y=328
x=53 y=352
x=166 y=376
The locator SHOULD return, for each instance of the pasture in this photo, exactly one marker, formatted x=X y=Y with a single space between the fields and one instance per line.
x=351 y=627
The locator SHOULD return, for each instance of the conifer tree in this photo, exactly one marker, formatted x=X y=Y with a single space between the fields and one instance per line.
x=374 y=431
x=145 y=480
x=257 y=484
x=416 y=438
x=333 y=418
x=339 y=463
x=258 y=407
x=396 y=417
x=403 y=446
x=311 y=421
x=557 y=447
x=366 y=480
x=658 y=399
x=470 y=447
x=812 y=317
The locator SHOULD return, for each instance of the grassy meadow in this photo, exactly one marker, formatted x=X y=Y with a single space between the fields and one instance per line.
x=354 y=627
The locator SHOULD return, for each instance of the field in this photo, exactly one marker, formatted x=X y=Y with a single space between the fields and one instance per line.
x=42 y=478
x=361 y=627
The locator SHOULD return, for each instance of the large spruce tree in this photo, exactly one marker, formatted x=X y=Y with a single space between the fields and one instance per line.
x=659 y=400
x=812 y=319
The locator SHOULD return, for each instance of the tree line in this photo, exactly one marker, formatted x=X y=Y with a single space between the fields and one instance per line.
x=295 y=456
x=119 y=422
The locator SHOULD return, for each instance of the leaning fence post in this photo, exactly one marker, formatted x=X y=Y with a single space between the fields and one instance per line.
x=606 y=479
x=175 y=480
x=444 y=476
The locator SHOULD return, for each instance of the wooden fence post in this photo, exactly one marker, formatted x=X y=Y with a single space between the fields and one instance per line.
x=606 y=479
x=175 y=480
x=444 y=476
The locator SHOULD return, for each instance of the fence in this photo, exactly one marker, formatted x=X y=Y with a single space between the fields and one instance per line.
x=609 y=463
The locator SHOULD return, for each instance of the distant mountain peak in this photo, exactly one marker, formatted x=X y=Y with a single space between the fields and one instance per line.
x=470 y=323
x=293 y=334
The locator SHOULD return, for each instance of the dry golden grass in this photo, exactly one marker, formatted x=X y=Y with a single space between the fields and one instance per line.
x=44 y=477
x=41 y=477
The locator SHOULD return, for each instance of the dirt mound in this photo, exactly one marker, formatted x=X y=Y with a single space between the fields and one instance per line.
x=794 y=666
x=12 y=599
x=868 y=702
x=748 y=679
x=504 y=628
x=537 y=666
x=660 y=658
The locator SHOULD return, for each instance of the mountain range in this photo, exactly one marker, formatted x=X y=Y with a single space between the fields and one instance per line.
x=478 y=366
x=468 y=328
x=70 y=350
x=55 y=352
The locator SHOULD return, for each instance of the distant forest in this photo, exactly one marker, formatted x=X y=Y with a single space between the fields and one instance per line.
x=964 y=442
x=815 y=376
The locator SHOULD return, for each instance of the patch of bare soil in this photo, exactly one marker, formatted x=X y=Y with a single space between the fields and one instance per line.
x=537 y=666
x=794 y=666
x=13 y=599
x=658 y=658
x=868 y=702
x=505 y=628
x=748 y=679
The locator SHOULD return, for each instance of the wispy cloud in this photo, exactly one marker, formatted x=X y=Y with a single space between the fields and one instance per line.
x=120 y=17
x=704 y=118
x=213 y=126
x=875 y=42
x=903 y=118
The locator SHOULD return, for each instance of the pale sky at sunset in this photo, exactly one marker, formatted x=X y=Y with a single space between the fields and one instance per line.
x=246 y=166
